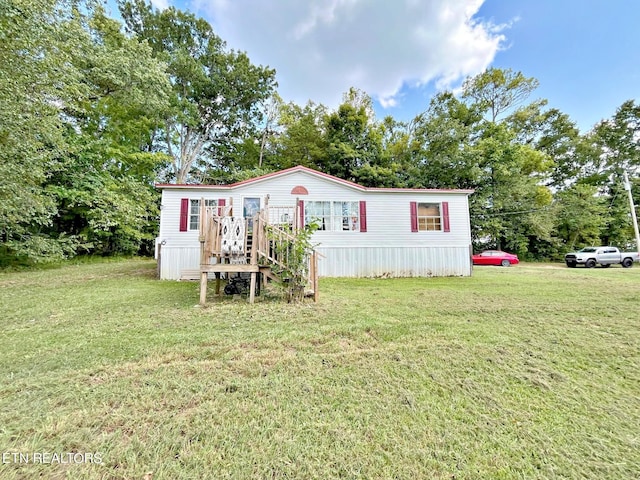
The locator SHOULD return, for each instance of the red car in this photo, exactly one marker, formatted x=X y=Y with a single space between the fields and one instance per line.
x=495 y=257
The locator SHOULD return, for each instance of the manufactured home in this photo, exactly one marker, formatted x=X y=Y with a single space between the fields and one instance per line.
x=362 y=232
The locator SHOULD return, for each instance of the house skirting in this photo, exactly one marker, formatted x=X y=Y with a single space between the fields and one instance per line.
x=351 y=261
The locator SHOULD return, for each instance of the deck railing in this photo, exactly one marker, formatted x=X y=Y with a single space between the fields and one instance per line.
x=270 y=240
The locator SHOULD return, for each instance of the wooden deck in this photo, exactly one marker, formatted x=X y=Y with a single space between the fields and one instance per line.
x=253 y=246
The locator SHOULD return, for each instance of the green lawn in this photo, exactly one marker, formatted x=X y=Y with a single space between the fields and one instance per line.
x=524 y=372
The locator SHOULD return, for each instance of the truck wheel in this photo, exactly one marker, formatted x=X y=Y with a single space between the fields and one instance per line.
x=627 y=263
x=590 y=263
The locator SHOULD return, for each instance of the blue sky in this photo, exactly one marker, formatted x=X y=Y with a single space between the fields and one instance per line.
x=584 y=53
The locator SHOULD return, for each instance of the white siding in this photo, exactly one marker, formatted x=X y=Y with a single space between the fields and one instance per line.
x=394 y=262
x=389 y=222
x=175 y=259
x=387 y=248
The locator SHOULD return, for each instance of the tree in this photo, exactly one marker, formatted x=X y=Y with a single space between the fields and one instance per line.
x=361 y=101
x=443 y=137
x=353 y=144
x=580 y=216
x=104 y=184
x=400 y=155
x=498 y=90
x=619 y=139
x=78 y=102
x=302 y=140
x=216 y=93
x=272 y=108
x=615 y=149
x=35 y=80
x=511 y=202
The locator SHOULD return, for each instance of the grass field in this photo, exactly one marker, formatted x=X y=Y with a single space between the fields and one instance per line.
x=525 y=372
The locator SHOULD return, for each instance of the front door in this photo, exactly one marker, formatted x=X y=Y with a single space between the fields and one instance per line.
x=250 y=207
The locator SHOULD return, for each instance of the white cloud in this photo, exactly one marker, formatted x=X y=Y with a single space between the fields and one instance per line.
x=161 y=4
x=320 y=48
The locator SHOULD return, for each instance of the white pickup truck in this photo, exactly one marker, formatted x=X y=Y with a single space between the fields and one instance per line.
x=605 y=256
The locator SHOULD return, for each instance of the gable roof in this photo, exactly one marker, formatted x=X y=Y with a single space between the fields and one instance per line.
x=312 y=172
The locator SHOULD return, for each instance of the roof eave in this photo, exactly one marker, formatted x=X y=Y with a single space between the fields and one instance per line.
x=310 y=171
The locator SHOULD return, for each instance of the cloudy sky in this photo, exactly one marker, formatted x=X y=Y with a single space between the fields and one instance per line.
x=585 y=53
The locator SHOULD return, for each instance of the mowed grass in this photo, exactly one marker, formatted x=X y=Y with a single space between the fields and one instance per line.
x=524 y=372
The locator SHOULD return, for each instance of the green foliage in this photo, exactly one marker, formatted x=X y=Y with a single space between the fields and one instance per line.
x=353 y=143
x=496 y=90
x=93 y=116
x=80 y=101
x=552 y=133
x=580 y=216
x=619 y=139
x=38 y=248
x=32 y=73
x=216 y=94
x=443 y=138
x=303 y=140
x=296 y=247
x=107 y=214
x=600 y=159
x=226 y=177
x=455 y=147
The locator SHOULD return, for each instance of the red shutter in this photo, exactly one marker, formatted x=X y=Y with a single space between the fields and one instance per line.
x=301 y=213
x=221 y=203
x=414 y=216
x=445 y=217
x=184 y=214
x=363 y=216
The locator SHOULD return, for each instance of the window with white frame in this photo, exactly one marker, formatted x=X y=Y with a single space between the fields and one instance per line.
x=333 y=216
x=194 y=212
x=429 y=218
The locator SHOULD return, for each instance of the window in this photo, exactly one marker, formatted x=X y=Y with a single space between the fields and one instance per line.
x=334 y=216
x=194 y=212
x=429 y=217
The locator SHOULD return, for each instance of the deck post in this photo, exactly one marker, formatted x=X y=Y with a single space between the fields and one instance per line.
x=314 y=280
x=252 y=288
x=202 y=233
x=203 y=288
x=204 y=276
x=257 y=232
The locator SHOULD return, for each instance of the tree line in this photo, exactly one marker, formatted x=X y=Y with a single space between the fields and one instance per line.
x=94 y=111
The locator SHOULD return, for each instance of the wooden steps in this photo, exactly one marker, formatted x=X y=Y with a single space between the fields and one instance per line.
x=266 y=246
